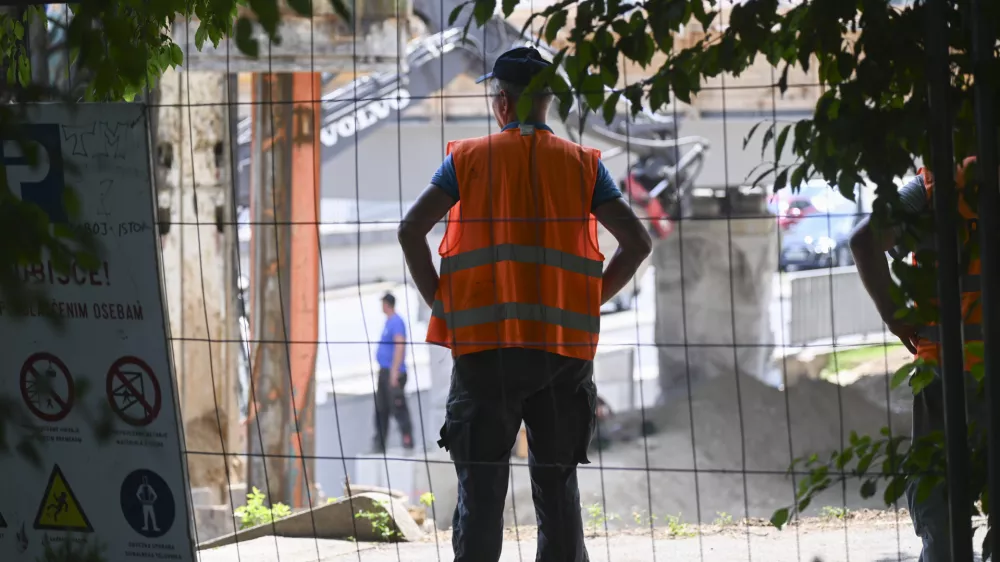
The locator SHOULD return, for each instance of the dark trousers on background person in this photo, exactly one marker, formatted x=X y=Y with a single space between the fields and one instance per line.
x=391 y=400
x=930 y=516
x=491 y=393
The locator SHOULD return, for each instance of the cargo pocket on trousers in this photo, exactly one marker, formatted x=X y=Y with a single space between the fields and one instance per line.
x=456 y=437
x=588 y=403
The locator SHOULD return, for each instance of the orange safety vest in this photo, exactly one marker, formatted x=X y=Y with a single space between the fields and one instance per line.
x=928 y=344
x=520 y=263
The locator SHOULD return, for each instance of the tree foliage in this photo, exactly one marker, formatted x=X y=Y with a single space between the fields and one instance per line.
x=871 y=122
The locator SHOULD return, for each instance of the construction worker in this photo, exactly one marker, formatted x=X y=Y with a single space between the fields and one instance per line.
x=869 y=245
x=518 y=302
x=390 y=395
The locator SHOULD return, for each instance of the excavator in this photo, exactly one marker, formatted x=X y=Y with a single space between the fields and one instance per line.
x=659 y=181
x=663 y=167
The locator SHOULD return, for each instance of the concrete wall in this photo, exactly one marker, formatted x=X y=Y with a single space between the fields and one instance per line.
x=349 y=424
x=397 y=161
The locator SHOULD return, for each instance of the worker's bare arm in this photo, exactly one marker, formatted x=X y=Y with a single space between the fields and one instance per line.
x=634 y=245
x=431 y=206
x=869 y=243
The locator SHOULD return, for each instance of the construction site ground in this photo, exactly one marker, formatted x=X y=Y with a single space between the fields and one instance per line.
x=865 y=536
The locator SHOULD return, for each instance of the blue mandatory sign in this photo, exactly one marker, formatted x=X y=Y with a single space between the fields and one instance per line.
x=147 y=503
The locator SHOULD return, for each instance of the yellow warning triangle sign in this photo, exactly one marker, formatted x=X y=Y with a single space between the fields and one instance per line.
x=60 y=510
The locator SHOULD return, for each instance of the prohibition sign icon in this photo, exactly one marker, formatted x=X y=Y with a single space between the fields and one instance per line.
x=47 y=387
x=133 y=391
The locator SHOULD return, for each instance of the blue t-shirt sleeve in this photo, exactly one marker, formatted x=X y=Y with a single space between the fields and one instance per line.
x=445 y=177
x=605 y=188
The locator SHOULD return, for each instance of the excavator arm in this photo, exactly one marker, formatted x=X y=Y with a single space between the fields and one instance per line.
x=430 y=63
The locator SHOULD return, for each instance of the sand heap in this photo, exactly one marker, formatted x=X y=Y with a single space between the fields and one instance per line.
x=812 y=417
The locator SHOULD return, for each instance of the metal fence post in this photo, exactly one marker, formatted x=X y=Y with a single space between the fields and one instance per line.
x=983 y=40
x=950 y=321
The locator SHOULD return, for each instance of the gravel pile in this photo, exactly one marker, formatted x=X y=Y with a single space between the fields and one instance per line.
x=812 y=417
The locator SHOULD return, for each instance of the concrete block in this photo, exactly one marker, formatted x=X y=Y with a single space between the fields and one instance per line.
x=213 y=521
x=335 y=520
x=204 y=495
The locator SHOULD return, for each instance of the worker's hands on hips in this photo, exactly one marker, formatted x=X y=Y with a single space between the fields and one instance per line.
x=905 y=332
x=394 y=378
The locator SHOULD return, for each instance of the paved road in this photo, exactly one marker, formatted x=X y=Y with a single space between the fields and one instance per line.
x=881 y=543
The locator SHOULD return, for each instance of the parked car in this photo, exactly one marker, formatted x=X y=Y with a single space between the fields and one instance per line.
x=791 y=206
x=817 y=241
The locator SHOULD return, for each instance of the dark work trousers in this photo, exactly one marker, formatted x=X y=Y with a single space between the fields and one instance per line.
x=392 y=400
x=491 y=393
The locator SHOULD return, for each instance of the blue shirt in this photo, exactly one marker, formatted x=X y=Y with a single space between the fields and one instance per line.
x=605 y=188
x=394 y=326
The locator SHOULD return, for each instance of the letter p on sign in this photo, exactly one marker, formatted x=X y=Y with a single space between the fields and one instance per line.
x=42 y=181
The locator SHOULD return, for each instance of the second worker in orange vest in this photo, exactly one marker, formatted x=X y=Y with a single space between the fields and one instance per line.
x=869 y=244
x=518 y=302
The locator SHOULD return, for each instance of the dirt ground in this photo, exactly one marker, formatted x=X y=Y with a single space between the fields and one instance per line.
x=723 y=455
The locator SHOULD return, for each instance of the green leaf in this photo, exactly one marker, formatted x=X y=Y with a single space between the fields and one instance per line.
x=18 y=30
x=768 y=136
x=455 y=12
x=895 y=489
x=804 y=504
x=611 y=106
x=176 y=56
x=780 y=517
x=524 y=105
x=978 y=372
x=901 y=374
x=484 y=10
x=868 y=489
x=925 y=487
x=245 y=41
x=921 y=380
x=267 y=15
x=781 y=180
x=779 y=145
x=593 y=90
x=302 y=7
x=746 y=139
x=556 y=23
x=23 y=71
x=342 y=11
x=508 y=7
x=976 y=349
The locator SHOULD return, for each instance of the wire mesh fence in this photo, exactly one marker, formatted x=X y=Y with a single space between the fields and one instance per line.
x=714 y=414
x=313 y=409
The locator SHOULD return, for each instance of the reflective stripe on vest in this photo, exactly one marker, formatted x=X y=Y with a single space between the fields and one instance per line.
x=518 y=311
x=523 y=254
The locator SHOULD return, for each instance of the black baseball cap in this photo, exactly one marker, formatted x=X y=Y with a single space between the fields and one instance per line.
x=389 y=299
x=517 y=66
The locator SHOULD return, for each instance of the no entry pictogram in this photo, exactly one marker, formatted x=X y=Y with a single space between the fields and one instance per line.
x=133 y=391
x=47 y=387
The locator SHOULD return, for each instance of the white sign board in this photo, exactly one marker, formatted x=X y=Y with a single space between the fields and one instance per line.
x=125 y=496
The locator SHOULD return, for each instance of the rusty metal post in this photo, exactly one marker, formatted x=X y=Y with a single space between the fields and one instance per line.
x=285 y=286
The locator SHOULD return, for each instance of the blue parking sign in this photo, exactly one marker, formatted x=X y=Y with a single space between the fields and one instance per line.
x=44 y=183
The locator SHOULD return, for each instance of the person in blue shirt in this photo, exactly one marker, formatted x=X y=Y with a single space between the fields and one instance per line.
x=390 y=397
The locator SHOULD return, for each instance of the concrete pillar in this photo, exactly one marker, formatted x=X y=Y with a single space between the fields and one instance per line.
x=713 y=293
x=191 y=149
